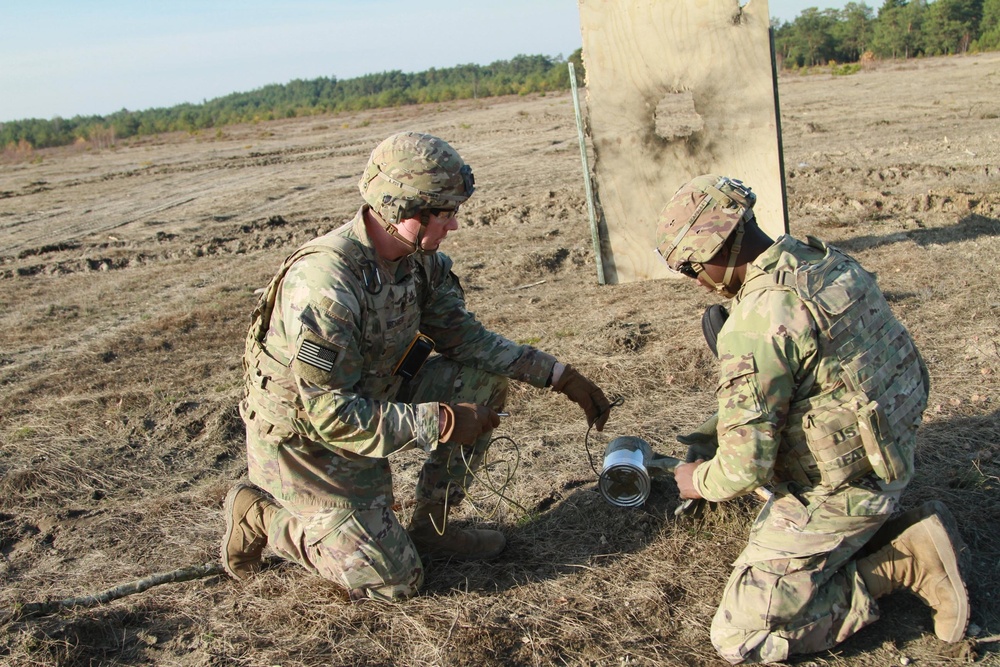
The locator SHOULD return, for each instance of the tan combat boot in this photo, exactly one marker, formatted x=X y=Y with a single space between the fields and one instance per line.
x=436 y=537
x=922 y=557
x=248 y=512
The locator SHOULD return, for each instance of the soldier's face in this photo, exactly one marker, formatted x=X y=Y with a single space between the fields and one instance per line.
x=439 y=223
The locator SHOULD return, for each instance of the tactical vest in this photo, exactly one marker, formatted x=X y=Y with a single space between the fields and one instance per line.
x=869 y=422
x=271 y=394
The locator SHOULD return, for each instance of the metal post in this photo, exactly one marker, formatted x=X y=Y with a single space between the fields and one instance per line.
x=777 y=121
x=594 y=233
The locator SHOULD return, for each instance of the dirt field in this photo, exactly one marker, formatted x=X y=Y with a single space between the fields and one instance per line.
x=126 y=280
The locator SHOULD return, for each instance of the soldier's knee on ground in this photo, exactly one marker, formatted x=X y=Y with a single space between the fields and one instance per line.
x=394 y=592
x=743 y=629
x=367 y=552
x=370 y=583
x=738 y=645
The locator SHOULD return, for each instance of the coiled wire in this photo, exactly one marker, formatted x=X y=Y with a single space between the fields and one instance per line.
x=496 y=487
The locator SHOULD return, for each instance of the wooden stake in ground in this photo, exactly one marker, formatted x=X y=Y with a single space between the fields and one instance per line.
x=32 y=609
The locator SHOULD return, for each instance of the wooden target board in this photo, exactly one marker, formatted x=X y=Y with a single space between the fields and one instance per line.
x=675 y=89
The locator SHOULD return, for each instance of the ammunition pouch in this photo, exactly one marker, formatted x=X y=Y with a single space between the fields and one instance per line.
x=834 y=439
x=884 y=453
x=850 y=439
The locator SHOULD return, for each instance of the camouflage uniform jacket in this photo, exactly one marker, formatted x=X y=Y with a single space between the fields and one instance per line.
x=320 y=406
x=775 y=368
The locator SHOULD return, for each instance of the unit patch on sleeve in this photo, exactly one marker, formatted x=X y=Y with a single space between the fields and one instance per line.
x=317 y=355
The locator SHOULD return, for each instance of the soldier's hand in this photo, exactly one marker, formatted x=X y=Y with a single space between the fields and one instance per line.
x=463 y=423
x=584 y=393
x=684 y=476
x=693 y=505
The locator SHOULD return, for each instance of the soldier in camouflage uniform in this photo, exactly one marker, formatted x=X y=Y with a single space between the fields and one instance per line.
x=821 y=391
x=334 y=385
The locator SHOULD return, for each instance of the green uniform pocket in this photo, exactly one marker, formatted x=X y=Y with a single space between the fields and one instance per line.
x=739 y=389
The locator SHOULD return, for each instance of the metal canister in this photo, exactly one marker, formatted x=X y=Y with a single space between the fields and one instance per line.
x=624 y=481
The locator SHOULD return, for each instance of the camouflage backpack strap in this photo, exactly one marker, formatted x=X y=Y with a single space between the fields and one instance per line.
x=806 y=281
x=260 y=317
x=351 y=250
x=783 y=280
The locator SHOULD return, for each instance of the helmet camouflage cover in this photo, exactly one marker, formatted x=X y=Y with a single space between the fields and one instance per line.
x=409 y=172
x=700 y=217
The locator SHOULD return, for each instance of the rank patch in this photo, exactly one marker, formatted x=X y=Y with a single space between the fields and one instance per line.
x=316 y=355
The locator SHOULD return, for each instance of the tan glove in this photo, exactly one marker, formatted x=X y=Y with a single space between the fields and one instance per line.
x=584 y=393
x=463 y=423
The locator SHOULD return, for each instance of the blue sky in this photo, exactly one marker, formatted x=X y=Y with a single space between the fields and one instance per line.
x=70 y=57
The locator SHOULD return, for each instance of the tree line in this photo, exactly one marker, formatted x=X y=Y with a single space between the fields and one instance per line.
x=899 y=29
x=520 y=75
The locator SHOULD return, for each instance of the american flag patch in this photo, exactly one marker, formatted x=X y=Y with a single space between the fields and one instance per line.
x=316 y=355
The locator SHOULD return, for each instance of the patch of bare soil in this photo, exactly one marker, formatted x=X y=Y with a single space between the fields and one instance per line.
x=126 y=280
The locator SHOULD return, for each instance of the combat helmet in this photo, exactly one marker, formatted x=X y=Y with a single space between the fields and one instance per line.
x=410 y=174
x=698 y=220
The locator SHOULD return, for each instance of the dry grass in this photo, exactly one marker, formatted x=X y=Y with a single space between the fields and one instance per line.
x=119 y=434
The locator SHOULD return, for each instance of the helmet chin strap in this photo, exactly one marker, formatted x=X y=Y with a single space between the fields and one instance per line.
x=425 y=219
x=393 y=231
x=725 y=288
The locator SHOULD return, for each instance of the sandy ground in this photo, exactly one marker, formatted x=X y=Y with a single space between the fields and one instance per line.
x=126 y=280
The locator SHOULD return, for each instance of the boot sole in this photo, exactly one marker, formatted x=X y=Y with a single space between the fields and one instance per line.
x=943 y=521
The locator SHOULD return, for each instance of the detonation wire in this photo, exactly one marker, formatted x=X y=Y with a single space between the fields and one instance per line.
x=487 y=482
x=511 y=468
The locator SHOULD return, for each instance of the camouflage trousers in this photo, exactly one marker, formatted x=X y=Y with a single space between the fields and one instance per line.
x=795 y=588
x=368 y=551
